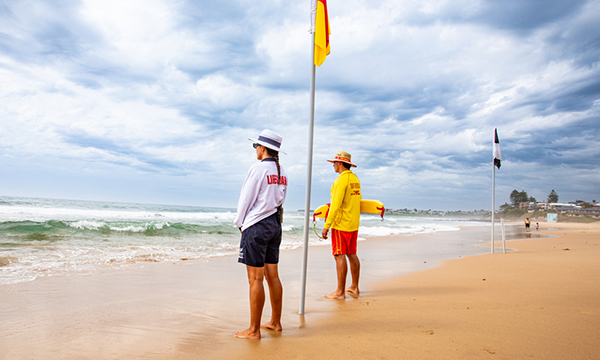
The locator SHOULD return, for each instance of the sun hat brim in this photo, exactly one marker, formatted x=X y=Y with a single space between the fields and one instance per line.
x=269 y=143
x=342 y=159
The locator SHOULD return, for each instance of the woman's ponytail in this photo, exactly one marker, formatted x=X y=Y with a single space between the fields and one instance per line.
x=275 y=155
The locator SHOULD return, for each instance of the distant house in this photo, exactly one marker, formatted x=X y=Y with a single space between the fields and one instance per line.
x=527 y=205
x=560 y=205
x=575 y=211
x=523 y=205
x=542 y=206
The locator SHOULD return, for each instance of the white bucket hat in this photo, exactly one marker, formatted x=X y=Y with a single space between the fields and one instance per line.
x=269 y=139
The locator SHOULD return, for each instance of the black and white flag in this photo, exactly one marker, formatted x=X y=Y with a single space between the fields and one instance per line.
x=497 y=154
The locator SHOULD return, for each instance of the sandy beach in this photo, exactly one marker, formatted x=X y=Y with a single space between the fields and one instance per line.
x=541 y=301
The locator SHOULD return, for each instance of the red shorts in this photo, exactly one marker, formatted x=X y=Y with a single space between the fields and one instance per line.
x=343 y=242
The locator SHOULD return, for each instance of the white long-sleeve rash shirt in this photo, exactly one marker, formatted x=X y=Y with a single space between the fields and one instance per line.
x=260 y=195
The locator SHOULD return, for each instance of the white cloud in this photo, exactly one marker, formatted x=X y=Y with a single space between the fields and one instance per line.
x=223 y=92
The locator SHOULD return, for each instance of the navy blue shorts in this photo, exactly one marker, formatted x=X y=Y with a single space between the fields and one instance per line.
x=260 y=243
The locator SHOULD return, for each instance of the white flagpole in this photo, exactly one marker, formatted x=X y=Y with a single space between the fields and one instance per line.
x=497 y=156
x=308 y=177
x=493 y=201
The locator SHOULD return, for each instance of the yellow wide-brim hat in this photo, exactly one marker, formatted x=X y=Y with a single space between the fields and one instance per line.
x=344 y=157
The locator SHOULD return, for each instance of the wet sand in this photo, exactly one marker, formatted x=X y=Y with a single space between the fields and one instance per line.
x=190 y=310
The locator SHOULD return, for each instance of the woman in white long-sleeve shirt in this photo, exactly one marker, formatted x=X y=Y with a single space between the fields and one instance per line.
x=258 y=218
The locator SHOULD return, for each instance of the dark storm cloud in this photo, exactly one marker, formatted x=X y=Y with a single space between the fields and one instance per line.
x=575 y=145
x=512 y=15
x=518 y=15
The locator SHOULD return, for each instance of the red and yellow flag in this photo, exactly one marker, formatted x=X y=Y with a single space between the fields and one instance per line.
x=322 y=31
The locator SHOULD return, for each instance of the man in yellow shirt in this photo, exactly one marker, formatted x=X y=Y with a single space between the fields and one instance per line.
x=343 y=220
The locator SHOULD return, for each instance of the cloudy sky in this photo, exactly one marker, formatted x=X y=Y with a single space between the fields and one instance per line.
x=153 y=100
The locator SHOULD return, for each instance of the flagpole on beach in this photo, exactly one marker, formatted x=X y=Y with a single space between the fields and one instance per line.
x=493 y=201
x=319 y=29
x=311 y=126
x=497 y=156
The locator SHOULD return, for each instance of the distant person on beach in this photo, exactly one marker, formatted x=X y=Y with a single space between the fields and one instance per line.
x=527 y=224
x=537 y=226
x=259 y=217
x=343 y=220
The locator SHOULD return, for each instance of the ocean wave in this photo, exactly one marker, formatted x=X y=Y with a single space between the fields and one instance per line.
x=55 y=230
x=412 y=229
x=88 y=225
x=19 y=213
x=287 y=227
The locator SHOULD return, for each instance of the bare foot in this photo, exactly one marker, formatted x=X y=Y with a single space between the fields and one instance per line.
x=248 y=334
x=272 y=326
x=353 y=291
x=335 y=295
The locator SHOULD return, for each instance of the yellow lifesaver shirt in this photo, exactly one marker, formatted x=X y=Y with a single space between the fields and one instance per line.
x=344 y=211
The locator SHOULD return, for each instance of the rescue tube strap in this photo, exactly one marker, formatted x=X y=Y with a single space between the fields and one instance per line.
x=315 y=230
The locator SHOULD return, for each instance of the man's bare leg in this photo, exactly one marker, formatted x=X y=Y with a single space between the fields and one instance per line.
x=276 y=297
x=355 y=272
x=342 y=272
x=257 y=301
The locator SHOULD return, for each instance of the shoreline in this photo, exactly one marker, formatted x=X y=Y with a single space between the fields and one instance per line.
x=168 y=311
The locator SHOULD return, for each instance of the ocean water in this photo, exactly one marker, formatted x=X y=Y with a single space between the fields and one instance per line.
x=48 y=237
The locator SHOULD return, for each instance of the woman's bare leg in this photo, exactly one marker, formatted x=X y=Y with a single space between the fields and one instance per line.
x=276 y=297
x=257 y=301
